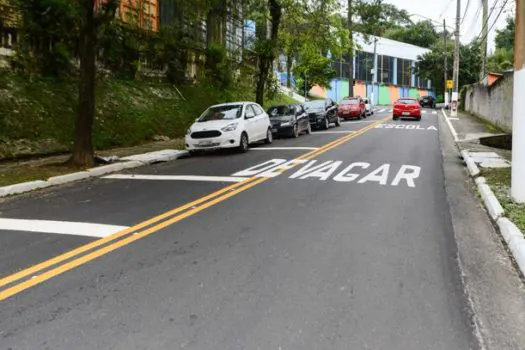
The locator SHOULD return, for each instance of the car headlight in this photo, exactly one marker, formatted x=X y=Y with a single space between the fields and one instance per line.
x=188 y=131
x=286 y=124
x=230 y=127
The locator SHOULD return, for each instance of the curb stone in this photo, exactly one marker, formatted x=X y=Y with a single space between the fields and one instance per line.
x=491 y=202
x=134 y=161
x=471 y=165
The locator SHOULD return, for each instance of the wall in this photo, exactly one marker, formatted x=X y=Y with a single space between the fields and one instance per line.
x=493 y=103
x=383 y=94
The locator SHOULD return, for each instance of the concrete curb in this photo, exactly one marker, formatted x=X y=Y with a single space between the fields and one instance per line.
x=515 y=240
x=131 y=162
x=491 y=202
x=471 y=165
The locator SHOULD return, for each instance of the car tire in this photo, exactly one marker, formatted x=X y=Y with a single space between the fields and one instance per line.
x=418 y=118
x=295 y=132
x=269 y=137
x=244 y=145
x=326 y=124
x=395 y=117
x=338 y=121
x=309 y=129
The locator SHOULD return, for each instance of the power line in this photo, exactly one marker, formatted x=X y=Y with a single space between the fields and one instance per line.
x=465 y=14
x=445 y=10
x=475 y=20
x=493 y=23
x=488 y=18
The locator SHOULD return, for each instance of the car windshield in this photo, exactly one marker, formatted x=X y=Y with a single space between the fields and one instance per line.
x=225 y=112
x=406 y=101
x=349 y=102
x=280 y=111
x=314 y=104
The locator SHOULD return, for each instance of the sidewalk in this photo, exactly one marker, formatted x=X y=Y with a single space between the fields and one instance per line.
x=491 y=169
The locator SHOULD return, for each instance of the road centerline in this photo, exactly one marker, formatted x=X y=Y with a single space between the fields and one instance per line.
x=194 y=207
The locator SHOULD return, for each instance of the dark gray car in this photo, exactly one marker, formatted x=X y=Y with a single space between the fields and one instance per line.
x=289 y=120
x=322 y=113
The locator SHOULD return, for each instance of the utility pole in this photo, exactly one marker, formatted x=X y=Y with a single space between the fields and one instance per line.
x=455 y=93
x=445 y=96
x=374 y=76
x=484 y=33
x=518 y=122
x=456 y=48
x=351 y=53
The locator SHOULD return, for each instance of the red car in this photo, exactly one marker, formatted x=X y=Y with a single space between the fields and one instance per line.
x=351 y=108
x=407 y=108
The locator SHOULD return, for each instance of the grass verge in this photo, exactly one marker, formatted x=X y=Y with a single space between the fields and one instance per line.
x=499 y=182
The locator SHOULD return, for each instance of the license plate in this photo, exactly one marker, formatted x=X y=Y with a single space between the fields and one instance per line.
x=205 y=143
x=406 y=113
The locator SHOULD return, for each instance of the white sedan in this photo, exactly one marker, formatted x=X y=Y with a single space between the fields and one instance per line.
x=229 y=125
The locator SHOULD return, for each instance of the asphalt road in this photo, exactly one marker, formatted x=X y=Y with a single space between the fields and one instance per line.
x=352 y=249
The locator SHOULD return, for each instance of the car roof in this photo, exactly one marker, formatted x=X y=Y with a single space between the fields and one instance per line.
x=233 y=103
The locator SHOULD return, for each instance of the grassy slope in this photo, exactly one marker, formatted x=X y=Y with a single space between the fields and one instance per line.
x=128 y=112
x=499 y=181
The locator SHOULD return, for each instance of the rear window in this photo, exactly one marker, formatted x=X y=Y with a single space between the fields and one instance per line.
x=279 y=111
x=349 y=102
x=406 y=101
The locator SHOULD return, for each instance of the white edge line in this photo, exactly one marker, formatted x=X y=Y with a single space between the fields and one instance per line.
x=332 y=132
x=60 y=227
x=175 y=178
x=451 y=127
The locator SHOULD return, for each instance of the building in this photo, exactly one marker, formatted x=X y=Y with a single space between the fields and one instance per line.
x=9 y=23
x=142 y=13
x=395 y=72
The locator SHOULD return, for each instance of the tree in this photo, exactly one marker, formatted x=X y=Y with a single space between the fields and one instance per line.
x=421 y=33
x=375 y=17
x=505 y=37
x=92 y=23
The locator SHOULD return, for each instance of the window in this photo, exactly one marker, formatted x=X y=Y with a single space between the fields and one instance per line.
x=257 y=110
x=221 y=113
x=250 y=113
x=404 y=72
x=385 y=69
x=364 y=63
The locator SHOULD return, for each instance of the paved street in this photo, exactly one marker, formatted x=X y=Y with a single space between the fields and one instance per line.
x=350 y=247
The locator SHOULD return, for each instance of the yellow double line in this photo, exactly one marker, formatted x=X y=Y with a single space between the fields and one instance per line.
x=45 y=270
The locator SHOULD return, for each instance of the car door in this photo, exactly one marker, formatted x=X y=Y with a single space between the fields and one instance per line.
x=250 y=123
x=302 y=118
x=330 y=110
x=262 y=121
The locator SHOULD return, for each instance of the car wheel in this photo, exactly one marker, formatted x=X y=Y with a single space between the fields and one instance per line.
x=309 y=129
x=395 y=117
x=295 y=131
x=244 y=145
x=326 y=124
x=338 y=121
x=418 y=118
x=269 y=137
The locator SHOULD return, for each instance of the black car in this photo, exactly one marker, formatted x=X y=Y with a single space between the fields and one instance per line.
x=322 y=113
x=428 y=101
x=289 y=120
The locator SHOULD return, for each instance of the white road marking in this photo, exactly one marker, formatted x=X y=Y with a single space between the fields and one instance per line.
x=406 y=127
x=390 y=110
x=359 y=121
x=451 y=127
x=283 y=148
x=434 y=112
x=175 y=178
x=423 y=112
x=381 y=110
x=453 y=118
x=60 y=227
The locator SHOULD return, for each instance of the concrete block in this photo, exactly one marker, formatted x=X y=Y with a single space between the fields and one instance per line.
x=23 y=187
x=508 y=229
x=131 y=164
x=481 y=180
x=517 y=247
x=105 y=169
x=157 y=156
x=62 y=179
x=491 y=202
x=471 y=165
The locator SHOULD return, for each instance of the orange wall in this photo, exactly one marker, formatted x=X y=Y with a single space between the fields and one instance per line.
x=146 y=10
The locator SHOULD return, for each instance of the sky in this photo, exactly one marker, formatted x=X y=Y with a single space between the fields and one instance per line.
x=438 y=10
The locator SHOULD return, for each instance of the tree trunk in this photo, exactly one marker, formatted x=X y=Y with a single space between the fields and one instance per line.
x=267 y=56
x=351 y=53
x=289 y=62
x=83 y=155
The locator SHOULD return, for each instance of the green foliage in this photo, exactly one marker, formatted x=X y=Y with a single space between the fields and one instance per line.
x=218 y=66
x=420 y=34
x=375 y=17
x=501 y=60
x=505 y=37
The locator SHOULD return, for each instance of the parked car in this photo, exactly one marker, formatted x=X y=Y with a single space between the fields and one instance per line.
x=229 y=125
x=352 y=108
x=368 y=106
x=322 y=113
x=407 y=108
x=289 y=120
x=427 y=101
